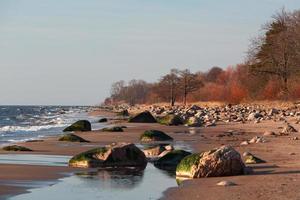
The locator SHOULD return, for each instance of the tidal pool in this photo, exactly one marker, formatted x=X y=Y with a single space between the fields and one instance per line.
x=93 y=184
x=106 y=184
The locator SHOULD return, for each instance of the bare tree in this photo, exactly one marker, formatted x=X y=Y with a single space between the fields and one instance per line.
x=189 y=82
x=169 y=86
x=278 y=52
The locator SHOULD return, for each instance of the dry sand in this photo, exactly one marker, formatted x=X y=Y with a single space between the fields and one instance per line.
x=279 y=178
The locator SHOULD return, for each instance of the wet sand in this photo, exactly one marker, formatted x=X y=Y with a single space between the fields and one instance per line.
x=279 y=178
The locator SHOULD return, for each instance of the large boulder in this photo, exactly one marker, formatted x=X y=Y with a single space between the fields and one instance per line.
x=71 y=138
x=171 y=159
x=144 y=117
x=116 y=155
x=81 y=125
x=171 y=120
x=154 y=135
x=224 y=161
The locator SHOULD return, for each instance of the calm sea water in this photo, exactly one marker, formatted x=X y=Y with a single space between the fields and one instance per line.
x=21 y=123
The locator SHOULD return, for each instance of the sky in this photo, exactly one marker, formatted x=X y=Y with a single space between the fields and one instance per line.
x=69 y=52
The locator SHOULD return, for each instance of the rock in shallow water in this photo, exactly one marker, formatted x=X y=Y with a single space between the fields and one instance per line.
x=81 y=125
x=116 y=155
x=171 y=159
x=224 y=161
x=154 y=135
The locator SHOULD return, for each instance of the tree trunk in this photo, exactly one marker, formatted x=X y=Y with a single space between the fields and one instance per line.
x=285 y=88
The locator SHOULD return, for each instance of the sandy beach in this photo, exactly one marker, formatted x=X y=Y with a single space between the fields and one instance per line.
x=279 y=178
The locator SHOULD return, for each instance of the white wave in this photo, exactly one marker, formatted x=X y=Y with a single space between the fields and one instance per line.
x=28 y=128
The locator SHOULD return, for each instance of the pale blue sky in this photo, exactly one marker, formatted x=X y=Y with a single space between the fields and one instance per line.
x=70 y=51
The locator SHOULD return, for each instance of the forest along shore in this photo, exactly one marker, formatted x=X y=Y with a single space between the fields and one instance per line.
x=265 y=133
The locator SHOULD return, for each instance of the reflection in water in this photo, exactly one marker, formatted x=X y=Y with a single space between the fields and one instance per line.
x=114 y=178
x=106 y=184
x=34 y=159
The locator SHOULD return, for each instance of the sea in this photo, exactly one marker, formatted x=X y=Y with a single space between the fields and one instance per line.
x=23 y=123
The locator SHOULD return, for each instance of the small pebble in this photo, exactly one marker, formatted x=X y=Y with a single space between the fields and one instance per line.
x=226 y=183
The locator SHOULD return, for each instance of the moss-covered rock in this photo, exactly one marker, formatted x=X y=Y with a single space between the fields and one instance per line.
x=102 y=120
x=16 y=148
x=115 y=155
x=144 y=117
x=81 y=125
x=193 y=122
x=223 y=161
x=72 y=138
x=170 y=120
x=113 y=129
x=171 y=159
x=188 y=162
x=154 y=135
x=251 y=159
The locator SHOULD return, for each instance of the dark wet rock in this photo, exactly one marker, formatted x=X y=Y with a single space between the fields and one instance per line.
x=72 y=138
x=113 y=129
x=118 y=155
x=15 y=148
x=81 y=125
x=171 y=120
x=144 y=117
x=273 y=111
x=123 y=113
x=254 y=116
x=154 y=135
x=171 y=159
x=224 y=161
x=102 y=120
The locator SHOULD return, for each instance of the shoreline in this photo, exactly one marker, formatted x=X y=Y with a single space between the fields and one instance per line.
x=280 y=168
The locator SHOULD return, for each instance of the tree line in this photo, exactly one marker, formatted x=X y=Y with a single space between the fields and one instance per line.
x=270 y=71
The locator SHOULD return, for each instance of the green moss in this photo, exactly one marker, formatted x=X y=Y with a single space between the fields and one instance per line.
x=72 y=138
x=113 y=129
x=189 y=161
x=16 y=148
x=154 y=135
x=170 y=120
x=253 y=160
x=88 y=155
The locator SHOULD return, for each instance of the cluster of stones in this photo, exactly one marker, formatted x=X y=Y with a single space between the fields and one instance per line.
x=196 y=116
